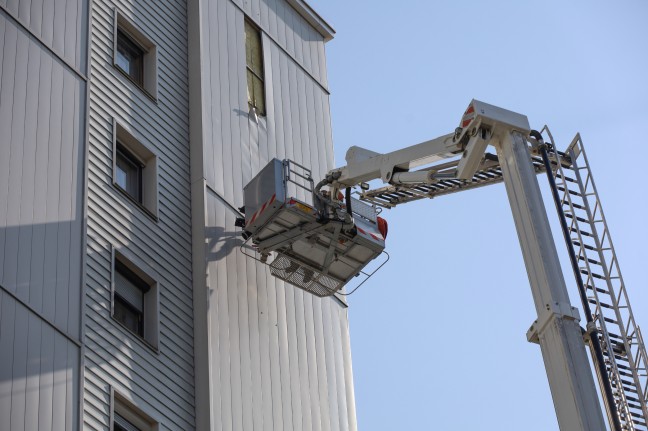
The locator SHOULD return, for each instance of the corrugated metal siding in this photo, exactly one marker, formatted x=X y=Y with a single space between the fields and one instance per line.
x=162 y=382
x=42 y=106
x=280 y=357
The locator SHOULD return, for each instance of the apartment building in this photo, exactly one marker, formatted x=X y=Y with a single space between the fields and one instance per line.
x=128 y=129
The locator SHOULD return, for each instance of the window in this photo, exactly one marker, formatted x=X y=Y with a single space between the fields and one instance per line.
x=254 y=61
x=129 y=298
x=135 y=302
x=128 y=417
x=130 y=57
x=128 y=175
x=122 y=424
x=135 y=170
x=135 y=55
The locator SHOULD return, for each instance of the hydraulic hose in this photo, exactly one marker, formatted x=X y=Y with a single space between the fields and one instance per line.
x=347 y=198
x=595 y=343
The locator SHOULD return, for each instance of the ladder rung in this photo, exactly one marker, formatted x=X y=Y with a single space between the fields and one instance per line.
x=598 y=289
x=571 y=180
x=632 y=399
x=580 y=219
x=602 y=304
x=607 y=319
x=629 y=382
x=570 y=191
x=634 y=406
x=625 y=374
x=587 y=246
x=593 y=274
x=578 y=206
x=595 y=262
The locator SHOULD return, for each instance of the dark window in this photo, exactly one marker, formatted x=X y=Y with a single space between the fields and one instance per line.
x=254 y=61
x=128 y=417
x=129 y=298
x=121 y=424
x=129 y=173
x=130 y=57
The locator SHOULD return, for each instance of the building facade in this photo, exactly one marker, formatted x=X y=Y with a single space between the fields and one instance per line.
x=128 y=130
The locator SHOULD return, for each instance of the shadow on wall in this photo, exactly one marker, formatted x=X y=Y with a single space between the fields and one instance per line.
x=40 y=264
x=40 y=316
x=221 y=243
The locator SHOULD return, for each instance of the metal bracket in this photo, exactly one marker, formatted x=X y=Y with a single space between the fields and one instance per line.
x=330 y=253
x=553 y=311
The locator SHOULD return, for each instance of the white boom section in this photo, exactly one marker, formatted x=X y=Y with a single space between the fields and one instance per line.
x=557 y=328
x=365 y=165
x=479 y=123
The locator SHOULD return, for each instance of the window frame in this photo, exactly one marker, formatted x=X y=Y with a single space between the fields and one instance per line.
x=131 y=45
x=146 y=279
x=148 y=181
x=248 y=68
x=133 y=413
x=123 y=151
x=143 y=288
x=149 y=82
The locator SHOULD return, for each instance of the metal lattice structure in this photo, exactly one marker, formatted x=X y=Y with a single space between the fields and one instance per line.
x=489 y=173
x=623 y=347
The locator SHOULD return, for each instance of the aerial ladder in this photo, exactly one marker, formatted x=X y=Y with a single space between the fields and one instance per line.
x=318 y=238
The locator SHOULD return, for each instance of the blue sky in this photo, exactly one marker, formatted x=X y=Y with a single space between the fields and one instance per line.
x=438 y=336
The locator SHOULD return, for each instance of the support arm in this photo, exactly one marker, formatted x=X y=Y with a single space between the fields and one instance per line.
x=557 y=329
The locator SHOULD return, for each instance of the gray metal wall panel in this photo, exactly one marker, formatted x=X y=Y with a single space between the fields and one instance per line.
x=59 y=24
x=39 y=376
x=278 y=360
x=163 y=383
x=41 y=148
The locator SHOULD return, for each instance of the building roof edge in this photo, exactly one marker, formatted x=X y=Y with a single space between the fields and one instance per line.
x=313 y=18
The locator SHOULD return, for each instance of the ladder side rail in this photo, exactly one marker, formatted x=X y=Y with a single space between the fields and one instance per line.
x=597 y=315
x=621 y=298
x=608 y=378
x=621 y=389
x=613 y=372
x=608 y=270
x=645 y=363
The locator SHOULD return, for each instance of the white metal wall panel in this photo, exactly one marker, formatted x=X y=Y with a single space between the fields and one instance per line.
x=58 y=24
x=39 y=376
x=291 y=32
x=42 y=110
x=41 y=153
x=277 y=355
x=161 y=382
